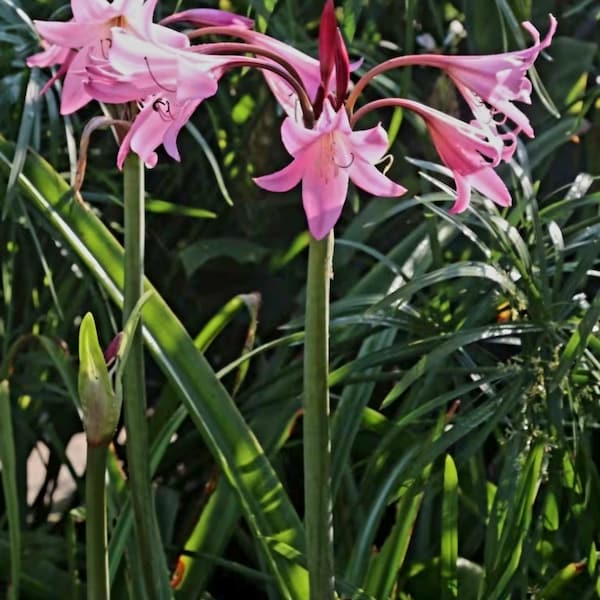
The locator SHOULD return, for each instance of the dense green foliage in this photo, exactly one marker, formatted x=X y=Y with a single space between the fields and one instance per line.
x=465 y=350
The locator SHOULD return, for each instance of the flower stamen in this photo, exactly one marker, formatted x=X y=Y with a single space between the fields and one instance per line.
x=162 y=87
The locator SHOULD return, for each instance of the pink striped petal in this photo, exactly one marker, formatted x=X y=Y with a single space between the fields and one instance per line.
x=367 y=177
x=70 y=34
x=284 y=179
x=463 y=194
x=324 y=191
x=370 y=144
x=489 y=183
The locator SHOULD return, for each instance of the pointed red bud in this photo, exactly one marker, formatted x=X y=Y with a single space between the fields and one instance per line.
x=327 y=42
x=110 y=354
x=342 y=69
x=318 y=102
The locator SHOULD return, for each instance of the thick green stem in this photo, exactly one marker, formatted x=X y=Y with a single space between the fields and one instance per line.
x=317 y=445
x=96 y=542
x=134 y=393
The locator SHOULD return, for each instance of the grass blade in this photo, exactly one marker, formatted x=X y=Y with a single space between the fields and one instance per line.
x=449 y=550
x=9 y=487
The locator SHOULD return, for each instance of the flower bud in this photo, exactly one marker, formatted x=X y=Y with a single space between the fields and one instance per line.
x=101 y=407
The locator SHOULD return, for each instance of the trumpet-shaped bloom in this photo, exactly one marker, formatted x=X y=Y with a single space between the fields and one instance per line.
x=136 y=69
x=469 y=150
x=90 y=32
x=170 y=82
x=326 y=78
x=325 y=158
x=497 y=79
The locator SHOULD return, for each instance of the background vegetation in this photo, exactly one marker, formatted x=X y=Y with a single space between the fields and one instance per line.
x=465 y=350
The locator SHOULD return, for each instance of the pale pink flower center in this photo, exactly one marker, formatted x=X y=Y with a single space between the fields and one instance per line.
x=332 y=155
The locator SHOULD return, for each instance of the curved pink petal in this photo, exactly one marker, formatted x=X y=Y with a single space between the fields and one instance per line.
x=144 y=136
x=197 y=77
x=306 y=66
x=90 y=10
x=332 y=120
x=516 y=116
x=370 y=144
x=367 y=177
x=184 y=112
x=112 y=90
x=489 y=183
x=158 y=69
x=168 y=37
x=324 y=191
x=138 y=19
x=463 y=194
x=70 y=34
x=132 y=56
x=124 y=150
x=74 y=94
x=53 y=55
x=284 y=179
x=295 y=137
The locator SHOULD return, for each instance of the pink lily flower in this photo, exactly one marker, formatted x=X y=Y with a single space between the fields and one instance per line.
x=325 y=158
x=490 y=84
x=330 y=154
x=90 y=32
x=170 y=82
x=497 y=79
x=470 y=151
x=136 y=68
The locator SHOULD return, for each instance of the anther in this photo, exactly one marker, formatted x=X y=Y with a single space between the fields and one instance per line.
x=163 y=108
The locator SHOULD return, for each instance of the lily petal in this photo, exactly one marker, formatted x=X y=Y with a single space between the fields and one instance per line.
x=463 y=194
x=295 y=137
x=74 y=94
x=367 y=177
x=488 y=183
x=284 y=179
x=70 y=34
x=324 y=191
x=371 y=143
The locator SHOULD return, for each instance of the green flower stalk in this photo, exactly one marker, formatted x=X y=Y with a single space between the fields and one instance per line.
x=134 y=391
x=317 y=444
x=101 y=408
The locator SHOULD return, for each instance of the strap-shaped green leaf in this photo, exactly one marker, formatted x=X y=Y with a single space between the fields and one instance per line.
x=9 y=486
